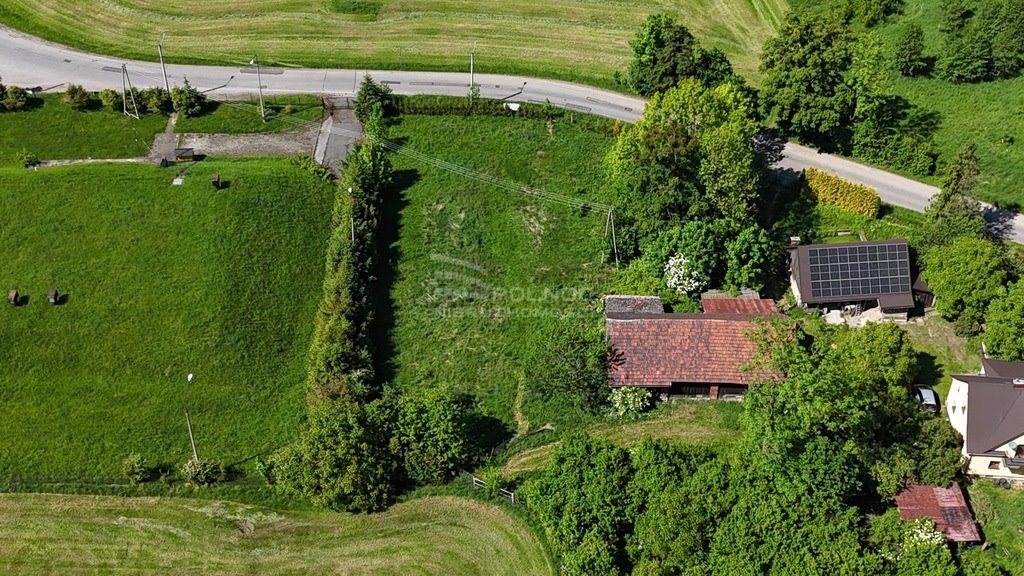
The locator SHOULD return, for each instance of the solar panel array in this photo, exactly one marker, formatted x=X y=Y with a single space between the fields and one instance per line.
x=859 y=271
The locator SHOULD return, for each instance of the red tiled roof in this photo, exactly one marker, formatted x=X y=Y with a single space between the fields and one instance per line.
x=945 y=506
x=659 y=349
x=739 y=305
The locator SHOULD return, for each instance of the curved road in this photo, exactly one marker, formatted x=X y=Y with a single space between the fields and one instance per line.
x=29 y=61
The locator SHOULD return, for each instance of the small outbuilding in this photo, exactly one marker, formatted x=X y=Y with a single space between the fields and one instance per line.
x=53 y=297
x=13 y=298
x=944 y=506
x=215 y=180
x=184 y=154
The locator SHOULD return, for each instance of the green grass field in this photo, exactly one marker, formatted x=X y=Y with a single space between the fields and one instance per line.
x=585 y=41
x=51 y=130
x=160 y=281
x=697 y=422
x=283 y=113
x=485 y=274
x=442 y=536
x=1000 y=512
x=984 y=114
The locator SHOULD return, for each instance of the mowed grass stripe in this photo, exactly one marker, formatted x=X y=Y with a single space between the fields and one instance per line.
x=583 y=41
x=700 y=423
x=47 y=534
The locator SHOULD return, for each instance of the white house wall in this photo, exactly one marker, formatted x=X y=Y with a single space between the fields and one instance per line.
x=980 y=464
x=956 y=408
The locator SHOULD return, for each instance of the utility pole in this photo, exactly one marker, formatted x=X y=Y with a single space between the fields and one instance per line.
x=259 y=82
x=128 y=92
x=160 y=51
x=188 y=421
x=472 y=78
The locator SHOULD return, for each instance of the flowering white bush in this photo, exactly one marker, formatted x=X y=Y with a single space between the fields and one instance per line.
x=629 y=401
x=923 y=533
x=680 y=278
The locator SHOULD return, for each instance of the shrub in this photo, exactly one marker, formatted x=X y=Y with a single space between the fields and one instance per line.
x=111 y=99
x=202 y=472
x=14 y=98
x=265 y=470
x=629 y=402
x=434 y=433
x=187 y=101
x=831 y=189
x=133 y=467
x=372 y=94
x=76 y=97
x=308 y=164
x=158 y=100
x=27 y=159
x=909 y=57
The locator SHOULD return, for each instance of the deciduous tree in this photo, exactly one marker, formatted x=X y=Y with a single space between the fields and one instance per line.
x=805 y=90
x=966 y=275
x=1004 y=324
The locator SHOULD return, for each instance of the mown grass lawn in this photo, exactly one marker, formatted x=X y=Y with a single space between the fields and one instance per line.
x=441 y=535
x=51 y=130
x=232 y=117
x=568 y=40
x=161 y=281
x=486 y=275
x=687 y=422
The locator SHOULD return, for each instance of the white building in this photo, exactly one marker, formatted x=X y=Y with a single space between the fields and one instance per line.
x=988 y=411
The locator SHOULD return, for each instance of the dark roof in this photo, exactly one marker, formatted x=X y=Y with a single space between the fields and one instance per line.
x=659 y=349
x=633 y=305
x=944 y=506
x=730 y=305
x=995 y=411
x=854 y=271
x=921 y=286
x=1002 y=368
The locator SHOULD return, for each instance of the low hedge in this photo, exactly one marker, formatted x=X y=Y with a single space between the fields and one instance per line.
x=426 y=105
x=831 y=189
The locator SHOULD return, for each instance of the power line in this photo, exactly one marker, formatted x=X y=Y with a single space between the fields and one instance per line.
x=468 y=173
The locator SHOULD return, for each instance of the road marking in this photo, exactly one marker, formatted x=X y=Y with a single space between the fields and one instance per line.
x=263 y=71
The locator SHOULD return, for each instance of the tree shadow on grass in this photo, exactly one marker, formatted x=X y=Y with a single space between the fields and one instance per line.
x=929 y=371
x=383 y=324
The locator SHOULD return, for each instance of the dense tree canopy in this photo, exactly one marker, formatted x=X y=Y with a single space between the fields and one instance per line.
x=1004 y=324
x=966 y=275
x=664 y=52
x=691 y=156
x=344 y=460
x=837 y=434
x=955 y=211
x=805 y=90
x=984 y=40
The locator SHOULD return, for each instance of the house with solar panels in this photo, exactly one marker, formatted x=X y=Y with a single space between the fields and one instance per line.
x=853 y=277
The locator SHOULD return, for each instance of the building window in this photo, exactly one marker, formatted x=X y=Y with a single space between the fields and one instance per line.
x=993 y=465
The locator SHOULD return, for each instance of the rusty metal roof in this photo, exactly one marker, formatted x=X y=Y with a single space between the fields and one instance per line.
x=944 y=506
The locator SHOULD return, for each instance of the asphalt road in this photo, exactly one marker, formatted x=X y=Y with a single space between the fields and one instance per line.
x=29 y=61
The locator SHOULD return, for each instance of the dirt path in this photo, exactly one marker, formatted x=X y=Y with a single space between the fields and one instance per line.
x=299 y=141
x=522 y=424
x=339 y=132
x=165 y=142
